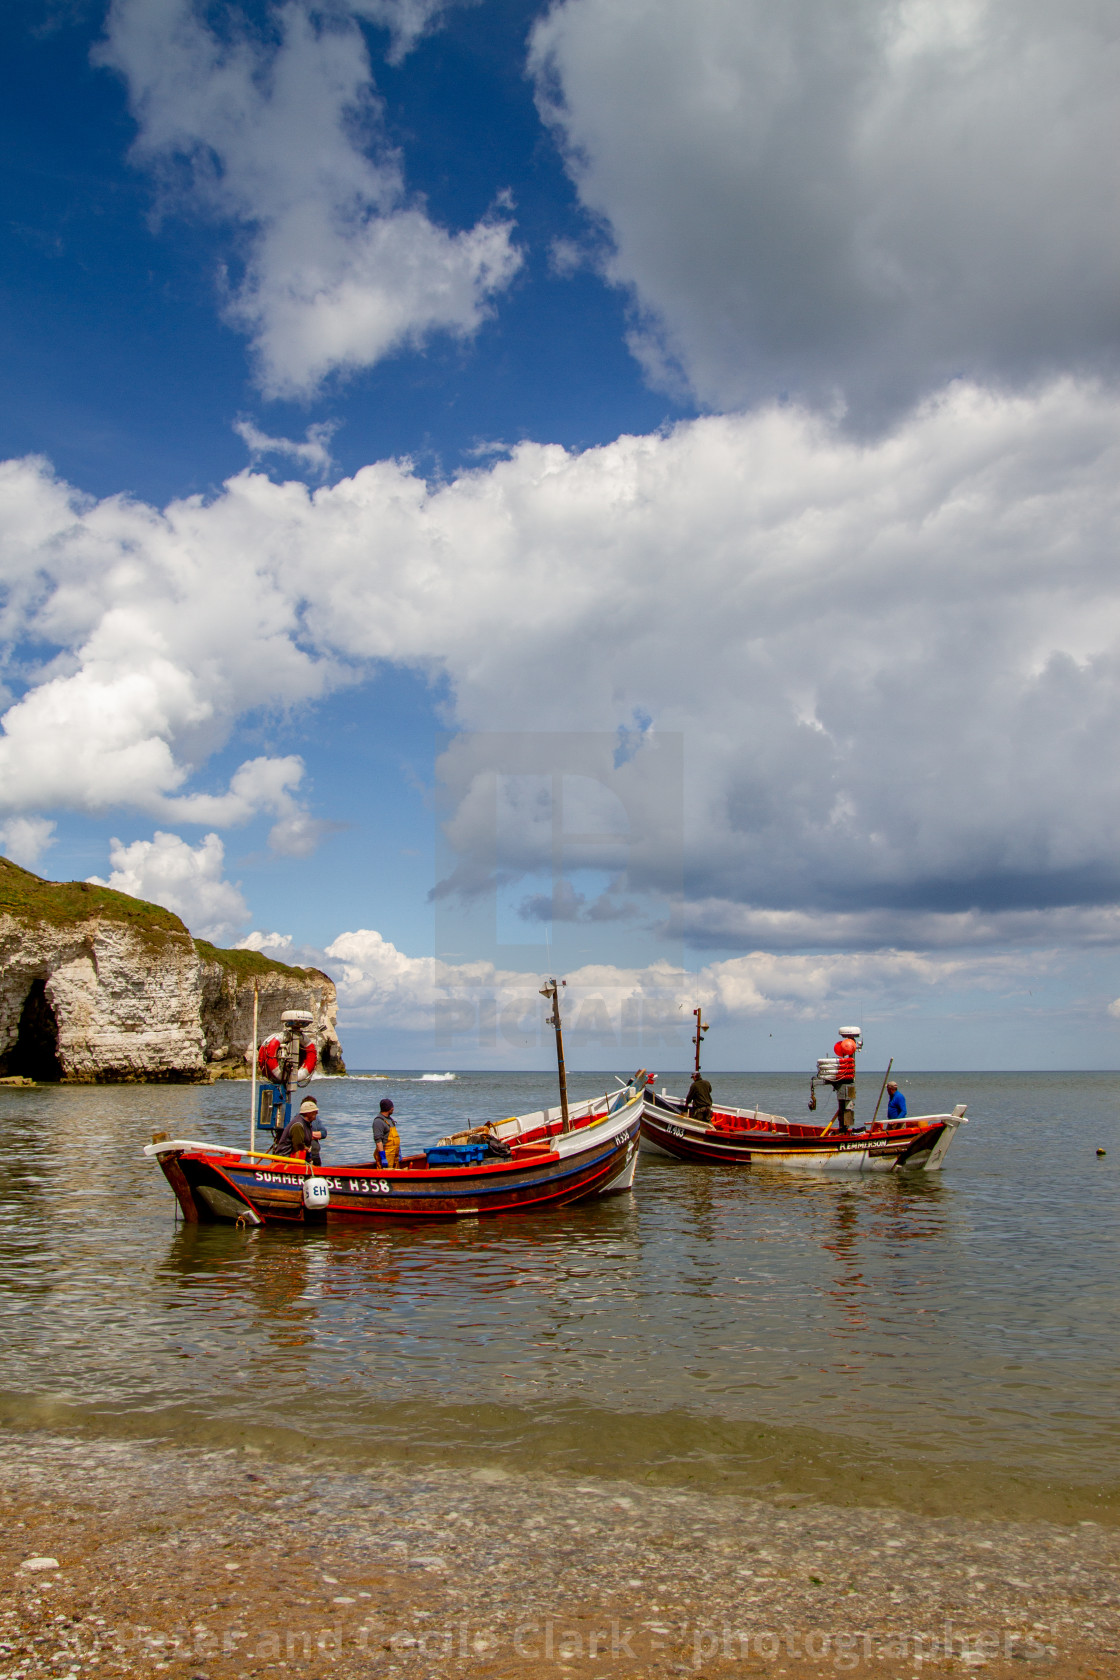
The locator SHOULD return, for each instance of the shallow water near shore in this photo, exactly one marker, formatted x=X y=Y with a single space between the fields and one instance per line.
x=943 y=1343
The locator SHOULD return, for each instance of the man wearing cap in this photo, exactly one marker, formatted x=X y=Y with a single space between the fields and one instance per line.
x=386 y=1138
x=302 y=1133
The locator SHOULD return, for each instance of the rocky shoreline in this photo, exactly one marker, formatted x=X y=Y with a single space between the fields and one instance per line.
x=97 y=987
x=129 y=1559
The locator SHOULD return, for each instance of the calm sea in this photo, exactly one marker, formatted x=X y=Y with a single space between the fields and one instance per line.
x=947 y=1343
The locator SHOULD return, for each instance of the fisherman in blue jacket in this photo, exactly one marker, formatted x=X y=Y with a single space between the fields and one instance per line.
x=896 y=1108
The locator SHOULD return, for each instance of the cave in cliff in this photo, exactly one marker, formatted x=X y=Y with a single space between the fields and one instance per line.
x=35 y=1052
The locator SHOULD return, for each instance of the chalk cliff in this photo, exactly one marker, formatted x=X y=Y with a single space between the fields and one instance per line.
x=97 y=986
x=227 y=979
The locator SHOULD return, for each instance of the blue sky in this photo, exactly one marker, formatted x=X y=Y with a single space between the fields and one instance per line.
x=627 y=487
x=117 y=363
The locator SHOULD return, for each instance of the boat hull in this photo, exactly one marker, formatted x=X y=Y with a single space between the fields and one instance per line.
x=745 y=1138
x=597 y=1159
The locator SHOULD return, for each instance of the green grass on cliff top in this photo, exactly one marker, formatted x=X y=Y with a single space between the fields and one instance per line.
x=59 y=902
x=244 y=964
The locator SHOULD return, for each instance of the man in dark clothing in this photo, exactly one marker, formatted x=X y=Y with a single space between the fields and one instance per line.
x=386 y=1138
x=896 y=1107
x=699 y=1099
x=303 y=1132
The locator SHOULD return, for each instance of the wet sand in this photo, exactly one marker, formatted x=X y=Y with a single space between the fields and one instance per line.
x=223 y=1564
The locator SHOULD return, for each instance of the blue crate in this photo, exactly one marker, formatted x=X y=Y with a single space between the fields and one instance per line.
x=457 y=1155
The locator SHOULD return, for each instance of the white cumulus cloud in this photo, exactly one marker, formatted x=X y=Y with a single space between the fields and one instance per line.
x=25 y=839
x=154 y=642
x=478 y=1004
x=285 y=141
x=867 y=198
x=259 y=940
x=186 y=879
x=314 y=452
x=894 y=666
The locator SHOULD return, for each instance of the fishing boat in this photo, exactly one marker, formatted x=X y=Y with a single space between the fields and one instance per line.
x=750 y=1137
x=546 y=1166
x=520 y=1165
x=747 y=1136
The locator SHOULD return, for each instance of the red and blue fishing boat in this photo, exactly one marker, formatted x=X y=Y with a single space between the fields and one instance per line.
x=749 y=1137
x=520 y=1165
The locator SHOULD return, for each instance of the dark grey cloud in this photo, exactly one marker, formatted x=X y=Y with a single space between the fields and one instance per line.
x=722 y=925
x=566 y=904
x=853 y=202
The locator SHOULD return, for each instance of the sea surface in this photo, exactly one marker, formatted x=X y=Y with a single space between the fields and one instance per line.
x=944 y=1343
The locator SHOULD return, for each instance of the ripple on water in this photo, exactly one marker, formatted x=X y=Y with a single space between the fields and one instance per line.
x=912 y=1339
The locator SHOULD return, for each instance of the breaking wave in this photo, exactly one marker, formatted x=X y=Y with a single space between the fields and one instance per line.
x=404 y=1078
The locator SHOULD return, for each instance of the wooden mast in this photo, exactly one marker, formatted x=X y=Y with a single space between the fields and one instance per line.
x=701 y=1029
x=253 y=1076
x=552 y=991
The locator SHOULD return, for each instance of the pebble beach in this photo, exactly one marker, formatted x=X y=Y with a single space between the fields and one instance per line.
x=143 y=1558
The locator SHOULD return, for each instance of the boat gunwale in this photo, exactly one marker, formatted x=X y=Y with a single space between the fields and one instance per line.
x=805 y=1132
x=579 y=1140
x=610 y=1123
x=417 y=1176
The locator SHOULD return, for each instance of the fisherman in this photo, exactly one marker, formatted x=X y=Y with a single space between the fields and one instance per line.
x=301 y=1135
x=896 y=1107
x=699 y=1099
x=844 y=1084
x=386 y=1138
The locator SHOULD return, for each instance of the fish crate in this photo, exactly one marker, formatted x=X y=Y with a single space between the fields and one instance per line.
x=457 y=1154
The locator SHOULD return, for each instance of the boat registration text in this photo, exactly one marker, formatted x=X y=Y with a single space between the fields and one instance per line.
x=351 y=1186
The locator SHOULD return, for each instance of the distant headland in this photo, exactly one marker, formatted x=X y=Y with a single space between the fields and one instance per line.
x=97 y=987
